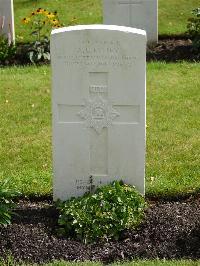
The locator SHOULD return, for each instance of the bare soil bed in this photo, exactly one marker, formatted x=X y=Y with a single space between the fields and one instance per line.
x=171 y=230
x=173 y=49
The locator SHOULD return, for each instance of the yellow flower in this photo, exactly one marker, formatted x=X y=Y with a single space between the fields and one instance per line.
x=39 y=10
x=26 y=20
x=50 y=15
x=55 y=22
x=45 y=12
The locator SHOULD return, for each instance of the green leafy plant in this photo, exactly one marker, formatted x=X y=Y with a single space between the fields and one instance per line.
x=193 y=27
x=41 y=22
x=7 y=47
x=39 y=51
x=7 y=50
x=103 y=214
x=6 y=203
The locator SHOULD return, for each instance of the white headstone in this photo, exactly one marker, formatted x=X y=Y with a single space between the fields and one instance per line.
x=141 y=14
x=98 y=98
x=7 y=19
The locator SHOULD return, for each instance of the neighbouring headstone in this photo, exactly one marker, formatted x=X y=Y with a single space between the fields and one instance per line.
x=141 y=14
x=7 y=19
x=98 y=100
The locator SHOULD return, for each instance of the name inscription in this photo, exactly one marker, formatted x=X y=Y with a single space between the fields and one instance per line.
x=97 y=53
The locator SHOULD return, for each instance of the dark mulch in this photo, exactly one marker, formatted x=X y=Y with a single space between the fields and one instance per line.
x=169 y=49
x=173 y=50
x=171 y=230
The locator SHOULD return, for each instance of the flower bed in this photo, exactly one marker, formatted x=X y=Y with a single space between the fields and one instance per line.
x=171 y=230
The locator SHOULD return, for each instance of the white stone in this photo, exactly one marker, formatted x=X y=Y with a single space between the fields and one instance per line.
x=98 y=100
x=141 y=14
x=7 y=19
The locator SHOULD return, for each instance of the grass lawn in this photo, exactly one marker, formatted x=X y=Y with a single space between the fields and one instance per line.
x=133 y=263
x=173 y=140
x=25 y=147
x=173 y=14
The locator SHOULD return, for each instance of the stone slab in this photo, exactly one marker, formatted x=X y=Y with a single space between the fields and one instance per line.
x=7 y=19
x=141 y=14
x=98 y=103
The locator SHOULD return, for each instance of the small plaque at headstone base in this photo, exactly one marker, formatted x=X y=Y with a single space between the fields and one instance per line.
x=98 y=99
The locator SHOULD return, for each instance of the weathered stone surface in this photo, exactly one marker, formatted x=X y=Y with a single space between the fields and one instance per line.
x=98 y=107
x=7 y=19
x=141 y=14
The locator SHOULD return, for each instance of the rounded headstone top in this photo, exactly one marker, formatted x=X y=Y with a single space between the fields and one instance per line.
x=99 y=27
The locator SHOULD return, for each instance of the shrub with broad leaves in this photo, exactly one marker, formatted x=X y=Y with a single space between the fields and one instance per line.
x=102 y=215
x=7 y=47
x=7 y=50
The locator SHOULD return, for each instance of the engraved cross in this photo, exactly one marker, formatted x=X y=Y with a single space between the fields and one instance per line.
x=99 y=115
x=130 y=5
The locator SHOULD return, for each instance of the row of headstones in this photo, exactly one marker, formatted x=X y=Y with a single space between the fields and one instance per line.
x=141 y=14
x=99 y=99
x=99 y=103
x=7 y=19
